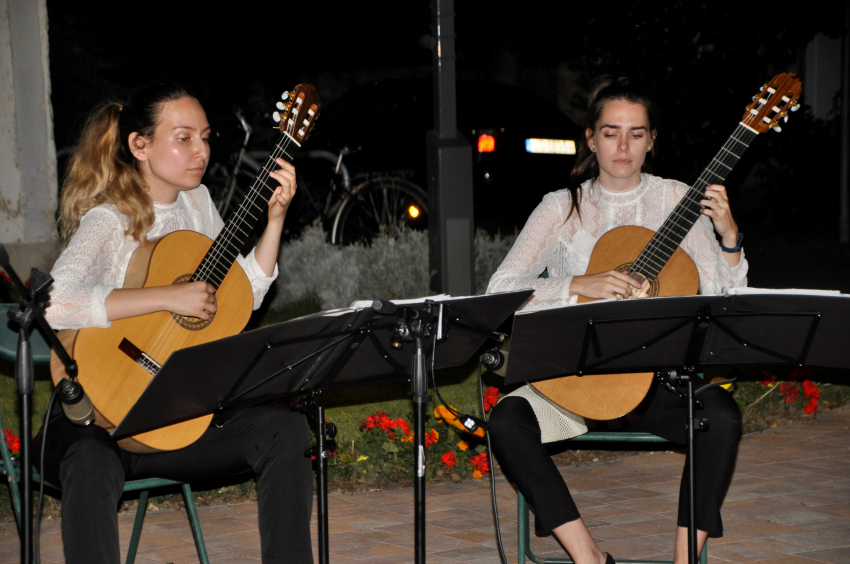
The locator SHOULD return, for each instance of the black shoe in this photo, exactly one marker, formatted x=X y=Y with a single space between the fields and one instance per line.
x=609 y=560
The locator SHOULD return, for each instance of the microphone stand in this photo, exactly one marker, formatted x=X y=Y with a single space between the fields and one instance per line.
x=33 y=302
x=415 y=326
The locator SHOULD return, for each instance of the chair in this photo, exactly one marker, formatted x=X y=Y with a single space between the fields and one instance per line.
x=523 y=529
x=11 y=469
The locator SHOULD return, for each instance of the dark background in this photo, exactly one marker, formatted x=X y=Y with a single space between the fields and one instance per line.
x=705 y=60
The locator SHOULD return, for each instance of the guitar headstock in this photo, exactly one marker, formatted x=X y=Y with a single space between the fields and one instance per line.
x=298 y=111
x=776 y=99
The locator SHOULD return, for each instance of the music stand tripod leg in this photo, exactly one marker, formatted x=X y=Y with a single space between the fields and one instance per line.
x=322 y=431
x=419 y=385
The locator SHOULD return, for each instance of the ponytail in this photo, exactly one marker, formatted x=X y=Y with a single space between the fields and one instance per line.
x=103 y=170
x=99 y=172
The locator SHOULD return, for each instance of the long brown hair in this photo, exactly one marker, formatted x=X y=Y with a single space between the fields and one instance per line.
x=606 y=89
x=103 y=169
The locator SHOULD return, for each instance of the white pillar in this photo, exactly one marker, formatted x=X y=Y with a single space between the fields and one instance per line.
x=28 y=187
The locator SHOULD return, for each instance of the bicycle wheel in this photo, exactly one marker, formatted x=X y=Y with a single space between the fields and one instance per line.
x=380 y=205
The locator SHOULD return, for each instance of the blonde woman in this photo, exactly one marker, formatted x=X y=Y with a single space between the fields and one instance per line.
x=137 y=175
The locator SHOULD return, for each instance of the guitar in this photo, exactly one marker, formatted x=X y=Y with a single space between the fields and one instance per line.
x=117 y=363
x=658 y=264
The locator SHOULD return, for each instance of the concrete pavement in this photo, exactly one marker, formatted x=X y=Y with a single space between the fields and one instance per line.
x=789 y=503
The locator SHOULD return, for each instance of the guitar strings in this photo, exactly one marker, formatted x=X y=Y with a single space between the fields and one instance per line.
x=688 y=203
x=166 y=338
x=213 y=260
x=673 y=230
x=669 y=235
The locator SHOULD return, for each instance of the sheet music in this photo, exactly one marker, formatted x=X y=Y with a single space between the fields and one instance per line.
x=742 y=290
x=365 y=304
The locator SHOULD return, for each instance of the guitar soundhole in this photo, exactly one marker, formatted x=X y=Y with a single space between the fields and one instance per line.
x=190 y=323
x=648 y=289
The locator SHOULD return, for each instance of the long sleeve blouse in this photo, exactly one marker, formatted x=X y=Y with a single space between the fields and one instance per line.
x=561 y=245
x=96 y=259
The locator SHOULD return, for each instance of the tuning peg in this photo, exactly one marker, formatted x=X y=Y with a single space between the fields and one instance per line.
x=777 y=129
x=276 y=117
x=280 y=106
x=785 y=119
x=284 y=96
x=761 y=89
x=795 y=108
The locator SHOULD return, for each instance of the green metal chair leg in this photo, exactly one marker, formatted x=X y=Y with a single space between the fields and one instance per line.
x=524 y=543
x=196 y=524
x=137 y=527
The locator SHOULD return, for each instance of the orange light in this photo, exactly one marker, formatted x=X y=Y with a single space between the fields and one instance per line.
x=486 y=143
x=413 y=212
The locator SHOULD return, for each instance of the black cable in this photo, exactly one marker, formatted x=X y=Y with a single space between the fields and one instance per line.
x=40 y=503
x=461 y=416
x=492 y=468
x=468 y=422
x=450 y=409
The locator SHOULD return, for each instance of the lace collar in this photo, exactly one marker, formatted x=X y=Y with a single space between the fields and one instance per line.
x=627 y=198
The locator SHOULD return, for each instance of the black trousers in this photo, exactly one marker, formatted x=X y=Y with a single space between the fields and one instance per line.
x=267 y=441
x=515 y=435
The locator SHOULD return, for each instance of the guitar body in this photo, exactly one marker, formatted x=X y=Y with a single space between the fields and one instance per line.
x=603 y=397
x=112 y=380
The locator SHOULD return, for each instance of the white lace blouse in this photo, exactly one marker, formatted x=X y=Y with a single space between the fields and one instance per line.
x=96 y=259
x=550 y=241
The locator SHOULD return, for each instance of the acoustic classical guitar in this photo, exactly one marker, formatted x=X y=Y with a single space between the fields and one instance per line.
x=117 y=363
x=658 y=264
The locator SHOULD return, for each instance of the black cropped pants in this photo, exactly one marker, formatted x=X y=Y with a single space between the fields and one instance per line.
x=515 y=436
x=267 y=441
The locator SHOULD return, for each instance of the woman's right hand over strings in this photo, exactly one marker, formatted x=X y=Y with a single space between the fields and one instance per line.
x=603 y=285
x=191 y=299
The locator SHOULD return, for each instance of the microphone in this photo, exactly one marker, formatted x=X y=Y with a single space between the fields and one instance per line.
x=76 y=404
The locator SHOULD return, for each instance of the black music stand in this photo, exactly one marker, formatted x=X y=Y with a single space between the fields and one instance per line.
x=324 y=351
x=681 y=335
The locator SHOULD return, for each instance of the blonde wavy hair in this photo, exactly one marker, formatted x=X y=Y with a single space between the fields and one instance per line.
x=104 y=170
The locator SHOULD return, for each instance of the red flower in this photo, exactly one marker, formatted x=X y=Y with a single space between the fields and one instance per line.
x=491 y=398
x=790 y=391
x=431 y=437
x=480 y=462
x=811 y=407
x=448 y=459
x=13 y=441
x=810 y=390
x=402 y=424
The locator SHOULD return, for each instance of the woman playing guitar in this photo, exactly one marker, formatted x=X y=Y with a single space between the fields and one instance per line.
x=610 y=187
x=136 y=176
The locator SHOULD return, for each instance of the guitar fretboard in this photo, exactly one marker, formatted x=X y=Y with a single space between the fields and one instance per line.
x=222 y=254
x=661 y=247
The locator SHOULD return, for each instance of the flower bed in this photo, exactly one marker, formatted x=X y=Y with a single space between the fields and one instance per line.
x=384 y=453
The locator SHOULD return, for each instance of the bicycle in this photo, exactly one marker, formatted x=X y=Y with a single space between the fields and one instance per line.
x=379 y=202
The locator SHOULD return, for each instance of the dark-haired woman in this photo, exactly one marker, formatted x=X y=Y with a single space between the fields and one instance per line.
x=610 y=188
x=136 y=176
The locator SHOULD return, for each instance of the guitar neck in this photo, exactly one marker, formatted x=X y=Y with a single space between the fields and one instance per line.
x=223 y=253
x=661 y=247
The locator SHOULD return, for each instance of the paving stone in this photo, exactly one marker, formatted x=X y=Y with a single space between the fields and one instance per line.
x=789 y=503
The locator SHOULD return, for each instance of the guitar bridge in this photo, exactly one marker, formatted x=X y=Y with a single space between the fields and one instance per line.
x=141 y=358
